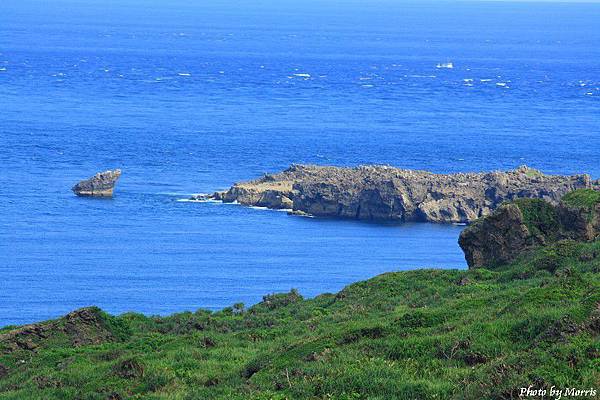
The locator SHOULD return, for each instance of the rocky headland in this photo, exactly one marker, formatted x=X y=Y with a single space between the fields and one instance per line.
x=100 y=185
x=390 y=194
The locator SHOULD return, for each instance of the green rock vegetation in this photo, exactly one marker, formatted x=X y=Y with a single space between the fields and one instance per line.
x=540 y=217
x=583 y=198
x=424 y=334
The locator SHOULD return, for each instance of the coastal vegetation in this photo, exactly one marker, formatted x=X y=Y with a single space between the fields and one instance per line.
x=481 y=333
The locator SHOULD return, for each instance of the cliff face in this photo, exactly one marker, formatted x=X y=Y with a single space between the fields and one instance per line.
x=386 y=193
x=528 y=223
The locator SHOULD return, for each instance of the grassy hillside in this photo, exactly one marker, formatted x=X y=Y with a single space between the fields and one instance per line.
x=407 y=335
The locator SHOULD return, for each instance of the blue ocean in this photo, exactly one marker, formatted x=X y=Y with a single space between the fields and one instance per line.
x=190 y=96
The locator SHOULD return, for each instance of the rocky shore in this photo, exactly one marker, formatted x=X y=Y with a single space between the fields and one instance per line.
x=390 y=194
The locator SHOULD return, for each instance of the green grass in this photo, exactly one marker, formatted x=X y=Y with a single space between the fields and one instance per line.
x=540 y=217
x=533 y=173
x=582 y=198
x=425 y=334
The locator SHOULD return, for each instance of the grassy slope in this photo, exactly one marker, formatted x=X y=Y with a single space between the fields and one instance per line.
x=418 y=334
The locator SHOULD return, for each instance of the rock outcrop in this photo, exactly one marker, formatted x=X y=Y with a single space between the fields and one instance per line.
x=392 y=194
x=100 y=185
x=81 y=327
x=528 y=223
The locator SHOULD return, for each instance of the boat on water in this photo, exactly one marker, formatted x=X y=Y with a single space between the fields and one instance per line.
x=447 y=65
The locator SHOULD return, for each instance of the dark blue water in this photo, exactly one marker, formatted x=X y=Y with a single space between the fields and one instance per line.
x=190 y=98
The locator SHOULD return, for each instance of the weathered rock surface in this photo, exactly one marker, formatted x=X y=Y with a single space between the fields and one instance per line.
x=78 y=328
x=498 y=239
x=387 y=193
x=100 y=185
x=528 y=223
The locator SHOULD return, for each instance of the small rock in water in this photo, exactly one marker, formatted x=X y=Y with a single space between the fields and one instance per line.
x=100 y=185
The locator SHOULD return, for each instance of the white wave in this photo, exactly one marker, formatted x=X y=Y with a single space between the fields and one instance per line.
x=191 y=200
x=259 y=208
x=184 y=74
x=303 y=215
x=367 y=86
x=302 y=75
x=485 y=80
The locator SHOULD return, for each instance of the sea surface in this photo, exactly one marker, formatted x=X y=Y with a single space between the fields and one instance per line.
x=189 y=97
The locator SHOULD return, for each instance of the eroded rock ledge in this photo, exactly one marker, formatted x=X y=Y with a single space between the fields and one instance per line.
x=390 y=194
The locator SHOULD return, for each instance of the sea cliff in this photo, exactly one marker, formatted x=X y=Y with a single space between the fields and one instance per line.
x=390 y=194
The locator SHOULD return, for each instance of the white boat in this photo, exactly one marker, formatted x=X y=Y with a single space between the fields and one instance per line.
x=447 y=65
